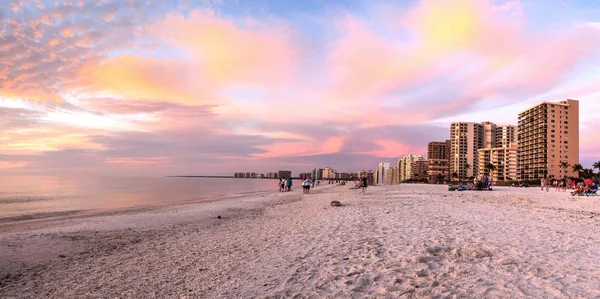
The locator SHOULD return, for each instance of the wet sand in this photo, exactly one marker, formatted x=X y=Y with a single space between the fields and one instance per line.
x=395 y=241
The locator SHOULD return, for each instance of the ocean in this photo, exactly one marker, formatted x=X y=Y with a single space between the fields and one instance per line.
x=25 y=197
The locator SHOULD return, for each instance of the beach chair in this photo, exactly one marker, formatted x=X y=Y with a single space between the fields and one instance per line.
x=593 y=191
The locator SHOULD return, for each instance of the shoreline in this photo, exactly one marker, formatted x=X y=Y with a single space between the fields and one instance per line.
x=405 y=240
x=9 y=220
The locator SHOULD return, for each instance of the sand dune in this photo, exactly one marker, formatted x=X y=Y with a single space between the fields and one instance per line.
x=395 y=241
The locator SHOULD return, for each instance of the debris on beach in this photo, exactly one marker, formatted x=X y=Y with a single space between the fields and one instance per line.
x=335 y=203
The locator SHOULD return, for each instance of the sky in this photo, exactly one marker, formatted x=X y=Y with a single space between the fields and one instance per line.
x=204 y=87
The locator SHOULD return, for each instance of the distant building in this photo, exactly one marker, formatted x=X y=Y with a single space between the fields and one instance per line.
x=248 y=175
x=381 y=173
x=465 y=139
x=489 y=134
x=438 y=155
x=329 y=173
x=418 y=170
x=317 y=173
x=304 y=175
x=254 y=175
x=391 y=176
x=344 y=176
x=236 y=175
x=404 y=166
x=507 y=136
x=284 y=174
x=548 y=136
x=503 y=159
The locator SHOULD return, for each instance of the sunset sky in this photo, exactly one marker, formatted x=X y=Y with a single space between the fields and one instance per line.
x=213 y=87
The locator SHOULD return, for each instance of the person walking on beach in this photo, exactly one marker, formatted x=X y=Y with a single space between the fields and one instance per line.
x=288 y=184
x=281 y=185
x=306 y=186
x=363 y=184
x=543 y=183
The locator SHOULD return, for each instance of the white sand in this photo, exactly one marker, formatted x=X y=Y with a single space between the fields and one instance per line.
x=407 y=240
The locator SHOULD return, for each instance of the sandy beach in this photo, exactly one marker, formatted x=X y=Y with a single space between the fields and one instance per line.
x=395 y=241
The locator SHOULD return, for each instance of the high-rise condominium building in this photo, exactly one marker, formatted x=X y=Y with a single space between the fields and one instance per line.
x=504 y=160
x=489 y=134
x=376 y=176
x=390 y=176
x=548 y=137
x=405 y=165
x=418 y=170
x=382 y=172
x=507 y=136
x=329 y=173
x=465 y=139
x=438 y=155
x=317 y=173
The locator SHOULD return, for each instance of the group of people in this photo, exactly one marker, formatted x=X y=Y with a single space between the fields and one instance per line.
x=556 y=184
x=481 y=182
x=588 y=186
x=285 y=185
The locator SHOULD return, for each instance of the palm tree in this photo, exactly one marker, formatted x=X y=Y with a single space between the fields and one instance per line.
x=596 y=166
x=564 y=165
x=454 y=175
x=491 y=168
x=467 y=167
x=578 y=168
x=587 y=173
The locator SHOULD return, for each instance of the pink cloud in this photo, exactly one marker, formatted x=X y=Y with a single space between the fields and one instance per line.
x=226 y=52
x=471 y=48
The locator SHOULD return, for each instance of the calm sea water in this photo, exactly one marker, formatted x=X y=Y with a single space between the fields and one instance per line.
x=38 y=196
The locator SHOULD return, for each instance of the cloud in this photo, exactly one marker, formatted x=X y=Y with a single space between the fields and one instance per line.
x=153 y=89
x=458 y=53
x=44 y=47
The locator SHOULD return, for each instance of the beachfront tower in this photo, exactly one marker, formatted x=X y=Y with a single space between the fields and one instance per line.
x=548 y=138
x=507 y=136
x=465 y=139
x=438 y=154
x=405 y=166
x=382 y=171
x=489 y=134
x=504 y=160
